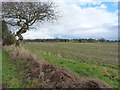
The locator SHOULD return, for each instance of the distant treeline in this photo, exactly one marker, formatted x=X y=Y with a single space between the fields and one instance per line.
x=90 y=40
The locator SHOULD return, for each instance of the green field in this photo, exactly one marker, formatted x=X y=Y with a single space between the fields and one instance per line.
x=12 y=76
x=0 y=66
x=94 y=60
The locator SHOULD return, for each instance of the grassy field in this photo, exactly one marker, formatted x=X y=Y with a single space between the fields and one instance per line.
x=12 y=76
x=94 y=60
x=0 y=66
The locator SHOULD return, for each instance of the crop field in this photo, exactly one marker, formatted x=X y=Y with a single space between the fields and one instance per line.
x=92 y=60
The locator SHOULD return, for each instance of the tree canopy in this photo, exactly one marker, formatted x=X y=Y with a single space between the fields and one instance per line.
x=25 y=14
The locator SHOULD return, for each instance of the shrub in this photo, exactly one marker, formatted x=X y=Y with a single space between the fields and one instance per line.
x=7 y=37
x=0 y=31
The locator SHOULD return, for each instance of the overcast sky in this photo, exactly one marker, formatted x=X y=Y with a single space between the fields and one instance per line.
x=80 y=19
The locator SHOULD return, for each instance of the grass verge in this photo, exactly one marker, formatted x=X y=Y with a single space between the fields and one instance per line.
x=13 y=77
x=0 y=66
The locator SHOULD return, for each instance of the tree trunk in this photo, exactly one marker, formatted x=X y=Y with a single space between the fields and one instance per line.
x=19 y=34
x=20 y=38
x=17 y=43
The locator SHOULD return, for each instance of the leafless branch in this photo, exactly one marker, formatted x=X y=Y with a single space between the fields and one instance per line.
x=25 y=14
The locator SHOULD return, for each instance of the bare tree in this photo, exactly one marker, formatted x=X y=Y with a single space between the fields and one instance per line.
x=25 y=14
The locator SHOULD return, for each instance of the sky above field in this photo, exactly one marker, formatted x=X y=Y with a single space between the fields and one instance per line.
x=80 y=19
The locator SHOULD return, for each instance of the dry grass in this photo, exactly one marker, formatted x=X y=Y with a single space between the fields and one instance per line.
x=20 y=53
x=0 y=44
